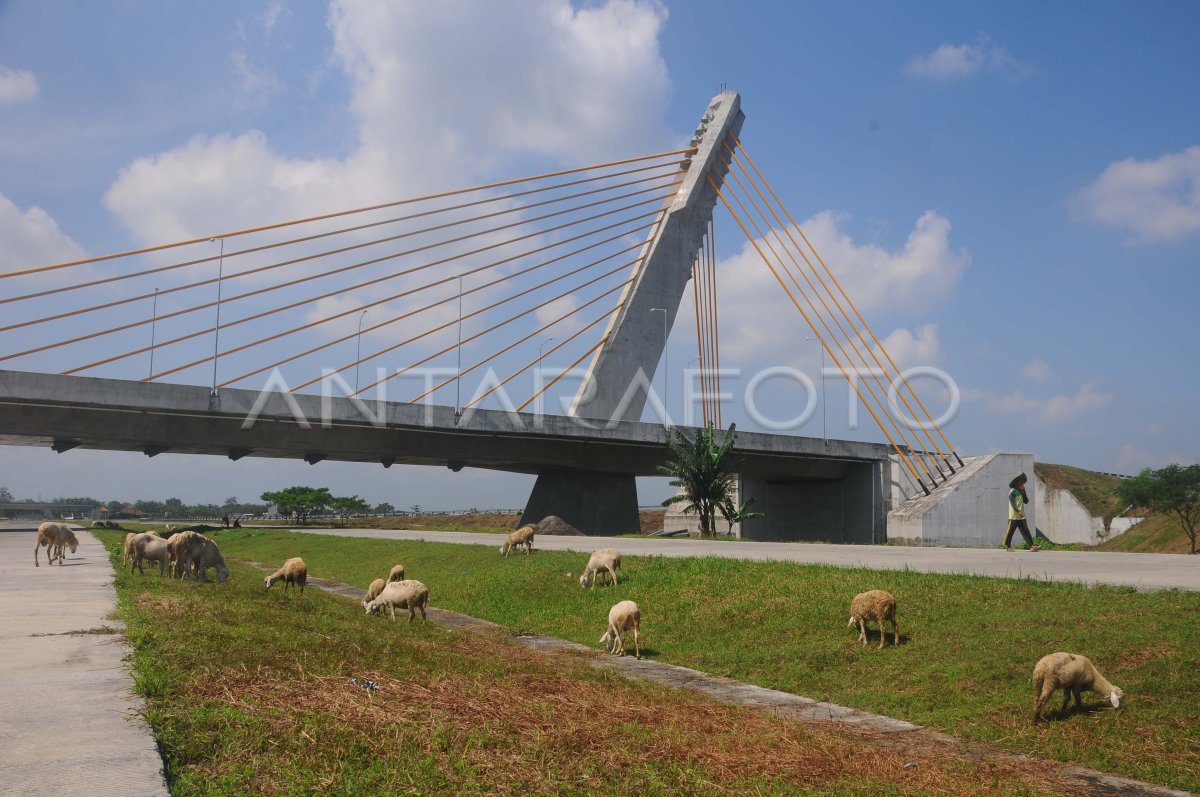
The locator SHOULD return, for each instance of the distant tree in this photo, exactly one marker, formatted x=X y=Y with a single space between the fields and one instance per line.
x=231 y=504
x=345 y=506
x=415 y=509
x=173 y=506
x=704 y=472
x=85 y=500
x=5 y=496
x=114 y=508
x=1173 y=490
x=302 y=500
x=384 y=508
x=151 y=507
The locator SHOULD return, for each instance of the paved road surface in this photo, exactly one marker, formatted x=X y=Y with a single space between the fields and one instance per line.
x=68 y=717
x=1145 y=571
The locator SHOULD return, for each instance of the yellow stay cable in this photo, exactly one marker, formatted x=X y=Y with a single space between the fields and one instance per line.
x=338 y=214
x=779 y=279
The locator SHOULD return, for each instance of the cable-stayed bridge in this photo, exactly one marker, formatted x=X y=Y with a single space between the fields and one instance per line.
x=466 y=311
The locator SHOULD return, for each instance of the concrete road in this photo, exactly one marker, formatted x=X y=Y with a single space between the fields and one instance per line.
x=69 y=720
x=1145 y=571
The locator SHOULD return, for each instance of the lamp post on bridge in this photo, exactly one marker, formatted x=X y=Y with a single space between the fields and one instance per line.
x=540 y=347
x=824 y=428
x=666 y=370
x=358 y=350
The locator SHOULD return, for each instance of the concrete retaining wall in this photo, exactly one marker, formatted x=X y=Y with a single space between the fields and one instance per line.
x=971 y=510
x=1063 y=519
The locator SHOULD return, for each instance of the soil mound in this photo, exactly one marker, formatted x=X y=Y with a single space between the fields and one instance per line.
x=553 y=525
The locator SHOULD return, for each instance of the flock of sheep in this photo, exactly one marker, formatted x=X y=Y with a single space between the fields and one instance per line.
x=188 y=554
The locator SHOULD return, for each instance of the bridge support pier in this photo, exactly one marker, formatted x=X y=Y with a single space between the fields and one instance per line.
x=595 y=503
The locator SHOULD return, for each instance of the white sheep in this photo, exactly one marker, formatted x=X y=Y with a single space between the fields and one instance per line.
x=373 y=591
x=875 y=605
x=606 y=560
x=148 y=546
x=521 y=537
x=396 y=574
x=196 y=554
x=177 y=545
x=125 y=548
x=621 y=618
x=1074 y=674
x=411 y=595
x=56 y=537
x=293 y=573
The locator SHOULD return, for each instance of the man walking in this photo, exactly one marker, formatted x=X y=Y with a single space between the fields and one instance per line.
x=1017 y=498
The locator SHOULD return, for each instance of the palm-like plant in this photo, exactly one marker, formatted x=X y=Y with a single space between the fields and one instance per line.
x=736 y=514
x=704 y=471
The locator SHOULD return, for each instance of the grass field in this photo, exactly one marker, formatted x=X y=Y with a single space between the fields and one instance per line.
x=964 y=666
x=259 y=692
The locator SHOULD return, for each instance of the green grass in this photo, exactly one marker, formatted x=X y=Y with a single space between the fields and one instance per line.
x=964 y=666
x=250 y=691
x=1096 y=491
x=1159 y=533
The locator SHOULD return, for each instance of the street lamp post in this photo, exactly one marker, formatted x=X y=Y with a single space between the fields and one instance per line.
x=666 y=369
x=824 y=428
x=540 y=347
x=358 y=350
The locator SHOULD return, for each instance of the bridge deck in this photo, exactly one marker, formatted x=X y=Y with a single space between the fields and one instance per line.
x=111 y=414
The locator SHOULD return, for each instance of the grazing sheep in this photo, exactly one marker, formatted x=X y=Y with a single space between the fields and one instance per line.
x=521 y=537
x=55 y=536
x=293 y=573
x=373 y=591
x=178 y=545
x=875 y=605
x=125 y=548
x=606 y=560
x=621 y=618
x=1074 y=674
x=397 y=574
x=411 y=595
x=148 y=546
x=197 y=554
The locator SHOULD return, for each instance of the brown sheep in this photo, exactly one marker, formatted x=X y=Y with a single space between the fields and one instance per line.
x=876 y=605
x=1074 y=674
x=521 y=537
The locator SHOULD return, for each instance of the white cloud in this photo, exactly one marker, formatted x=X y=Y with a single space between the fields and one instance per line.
x=1056 y=409
x=255 y=80
x=917 y=278
x=1131 y=459
x=549 y=81
x=32 y=238
x=908 y=349
x=1156 y=200
x=957 y=61
x=17 y=85
x=1037 y=370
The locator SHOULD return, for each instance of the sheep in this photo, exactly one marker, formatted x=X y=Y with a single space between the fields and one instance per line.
x=622 y=617
x=373 y=591
x=293 y=573
x=605 y=560
x=874 y=605
x=521 y=537
x=197 y=554
x=125 y=548
x=397 y=574
x=1074 y=674
x=55 y=536
x=411 y=595
x=177 y=546
x=149 y=546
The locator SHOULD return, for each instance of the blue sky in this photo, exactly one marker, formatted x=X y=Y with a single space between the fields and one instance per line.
x=1011 y=190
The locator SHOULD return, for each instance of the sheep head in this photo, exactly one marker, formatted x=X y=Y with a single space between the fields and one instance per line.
x=1115 y=697
x=267 y=582
x=222 y=574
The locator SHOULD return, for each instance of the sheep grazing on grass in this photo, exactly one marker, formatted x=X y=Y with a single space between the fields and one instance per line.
x=876 y=605
x=148 y=546
x=521 y=537
x=373 y=591
x=56 y=537
x=396 y=574
x=1074 y=674
x=606 y=560
x=293 y=573
x=411 y=595
x=125 y=550
x=192 y=554
x=621 y=618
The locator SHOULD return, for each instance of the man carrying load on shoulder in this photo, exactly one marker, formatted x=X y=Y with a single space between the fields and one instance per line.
x=1017 y=498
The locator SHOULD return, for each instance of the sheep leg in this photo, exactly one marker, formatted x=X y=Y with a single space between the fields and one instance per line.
x=423 y=617
x=895 y=630
x=882 y=632
x=37 y=546
x=612 y=574
x=1043 y=697
x=637 y=644
x=392 y=606
x=862 y=630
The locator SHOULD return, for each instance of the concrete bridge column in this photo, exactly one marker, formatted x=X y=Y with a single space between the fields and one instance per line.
x=595 y=503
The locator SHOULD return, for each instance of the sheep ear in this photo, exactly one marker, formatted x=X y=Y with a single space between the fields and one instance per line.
x=1115 y=699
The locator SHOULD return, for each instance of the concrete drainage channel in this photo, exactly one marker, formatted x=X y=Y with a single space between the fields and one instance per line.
x=882 y=730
